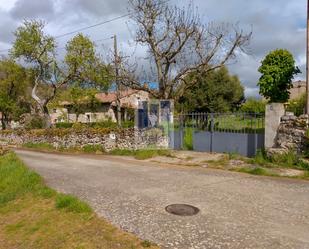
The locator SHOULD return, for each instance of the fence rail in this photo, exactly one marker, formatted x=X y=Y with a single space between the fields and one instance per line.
x=221 y=122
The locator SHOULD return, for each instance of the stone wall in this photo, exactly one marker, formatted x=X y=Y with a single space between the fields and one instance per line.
x=109 y=139
x=291 y=133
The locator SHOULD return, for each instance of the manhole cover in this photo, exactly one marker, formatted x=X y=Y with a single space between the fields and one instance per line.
x=182 y=209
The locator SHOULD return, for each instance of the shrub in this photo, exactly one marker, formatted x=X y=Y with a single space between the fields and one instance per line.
x=253 y=106
x=297 y=106
x=90 y=148
x=35 y=122
x=103 y=124
x=71 y=204
x=64 y=125
x=78 y=126
x=127 y=124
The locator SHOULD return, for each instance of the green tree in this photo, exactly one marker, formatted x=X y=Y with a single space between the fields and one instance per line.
x=278 y=70
x=81 y=64
x=14 y=86
x=253 y=106
x=215 y=91
x=297 y=106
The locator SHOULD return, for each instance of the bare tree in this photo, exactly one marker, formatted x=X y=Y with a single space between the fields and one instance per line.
x=179 y=44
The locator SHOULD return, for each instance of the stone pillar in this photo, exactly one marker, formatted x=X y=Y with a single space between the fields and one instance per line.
x=274 y=112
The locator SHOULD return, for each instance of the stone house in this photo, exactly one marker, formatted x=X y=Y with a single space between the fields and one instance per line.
x=105 y=110
x=298 y=89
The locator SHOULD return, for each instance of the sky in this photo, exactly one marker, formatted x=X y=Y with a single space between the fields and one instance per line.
x=275 y=24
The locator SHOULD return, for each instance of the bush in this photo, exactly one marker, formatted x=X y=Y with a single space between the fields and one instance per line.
x=253 y=106
x=79 y=126
x=64 y=125
x=127 y=124
x=297 y=106
x=90 y=148
x=35 y=122
x=103 y=124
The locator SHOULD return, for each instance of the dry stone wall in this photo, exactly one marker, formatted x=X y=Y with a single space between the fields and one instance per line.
x=109 y=139
x=291 y=134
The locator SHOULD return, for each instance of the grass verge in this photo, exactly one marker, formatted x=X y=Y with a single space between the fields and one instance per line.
x=141 y=154
x=35 y=216
x=98 y=149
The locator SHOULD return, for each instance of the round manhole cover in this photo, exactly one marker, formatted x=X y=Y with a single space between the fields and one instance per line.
x=182 y=209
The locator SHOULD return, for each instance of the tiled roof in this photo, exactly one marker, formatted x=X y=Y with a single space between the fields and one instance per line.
x=111 y=97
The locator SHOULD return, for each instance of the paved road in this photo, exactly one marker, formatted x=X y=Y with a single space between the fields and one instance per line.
x=237 y=211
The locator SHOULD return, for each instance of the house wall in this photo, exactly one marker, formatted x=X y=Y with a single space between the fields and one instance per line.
x=103 y=112
x=299 y=88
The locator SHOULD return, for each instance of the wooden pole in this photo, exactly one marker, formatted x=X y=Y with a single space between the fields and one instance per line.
x=118 y=88
x=307 y=61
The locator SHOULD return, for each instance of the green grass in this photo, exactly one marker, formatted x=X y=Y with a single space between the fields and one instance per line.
x=237 y=123
x=35 y=216
x=16 y=180
x=256 y=171
x=286 y=160
x=42 y=146
x=72 y=204
x=141 y=154
x=188 y=138
x=92 y=148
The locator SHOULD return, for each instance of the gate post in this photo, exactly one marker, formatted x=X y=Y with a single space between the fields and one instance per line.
x=274 y=112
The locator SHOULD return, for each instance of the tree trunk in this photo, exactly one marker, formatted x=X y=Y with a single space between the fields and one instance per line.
x=5 y=122
x=3 y=125
x=42 y=104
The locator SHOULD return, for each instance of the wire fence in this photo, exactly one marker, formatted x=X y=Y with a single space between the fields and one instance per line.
x=221 y=122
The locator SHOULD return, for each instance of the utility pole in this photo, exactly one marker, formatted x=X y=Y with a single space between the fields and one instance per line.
x=307 y=61
x=118 y=87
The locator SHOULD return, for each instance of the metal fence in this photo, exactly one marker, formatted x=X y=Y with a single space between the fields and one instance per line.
x=241 y=133
x=222 y=122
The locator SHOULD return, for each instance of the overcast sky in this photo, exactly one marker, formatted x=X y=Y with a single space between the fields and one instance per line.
x=275 y=23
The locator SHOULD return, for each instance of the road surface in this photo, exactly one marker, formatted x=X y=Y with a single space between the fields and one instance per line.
x=236 y=210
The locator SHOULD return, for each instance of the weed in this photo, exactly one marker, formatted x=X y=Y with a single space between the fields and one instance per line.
x=146 y=243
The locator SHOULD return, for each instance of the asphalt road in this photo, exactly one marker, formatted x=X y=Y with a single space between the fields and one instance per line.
x=236 y=210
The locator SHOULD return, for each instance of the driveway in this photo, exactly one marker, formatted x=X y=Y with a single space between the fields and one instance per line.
x=236 y=210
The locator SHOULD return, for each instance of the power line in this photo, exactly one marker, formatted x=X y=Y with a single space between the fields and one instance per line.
x=104 y=39
x=92 y=26
x=85 y=28
x=89 y=27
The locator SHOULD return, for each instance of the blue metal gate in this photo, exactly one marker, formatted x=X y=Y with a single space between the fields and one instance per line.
x=241 y=133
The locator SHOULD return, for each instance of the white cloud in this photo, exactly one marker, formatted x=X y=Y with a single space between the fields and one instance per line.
x=276 y=24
